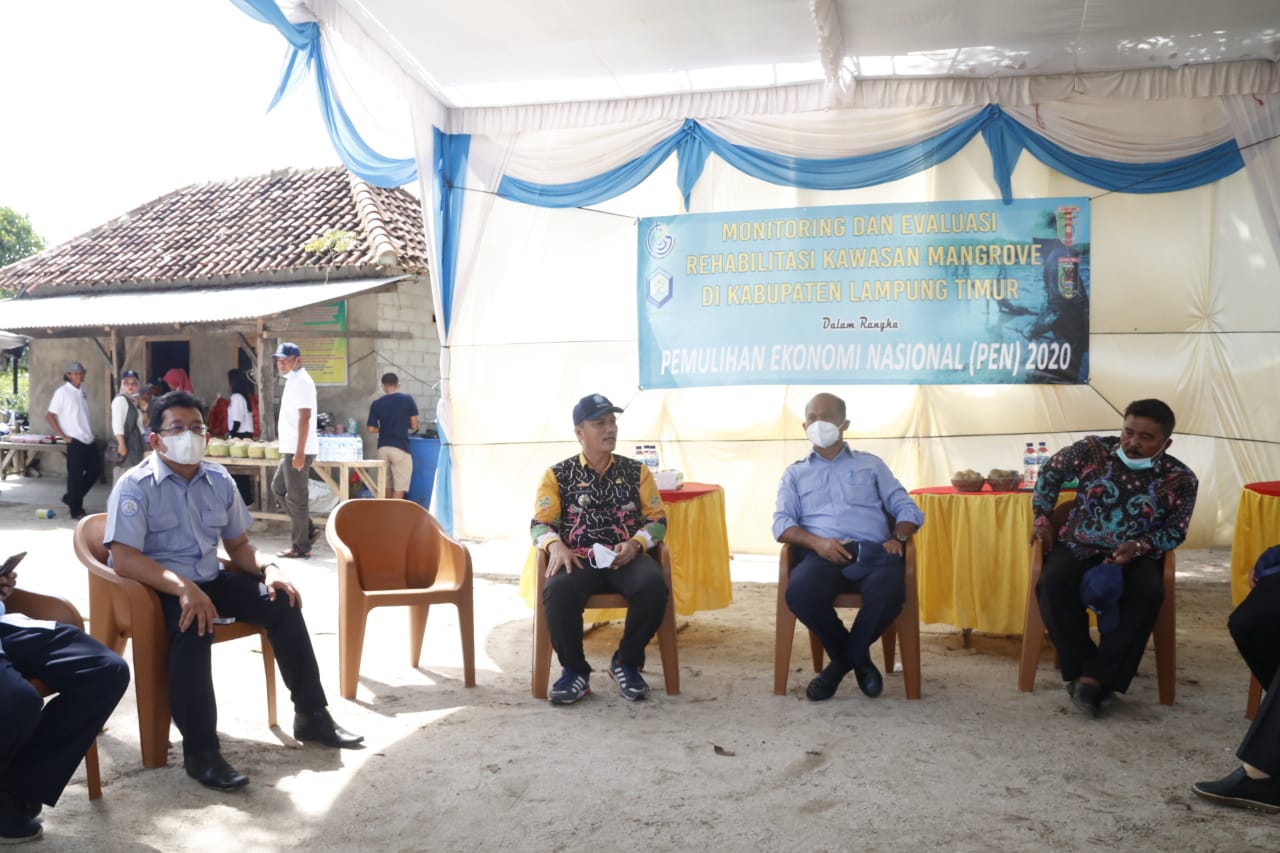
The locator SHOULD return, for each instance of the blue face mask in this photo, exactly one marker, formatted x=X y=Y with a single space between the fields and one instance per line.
x=1143 y=464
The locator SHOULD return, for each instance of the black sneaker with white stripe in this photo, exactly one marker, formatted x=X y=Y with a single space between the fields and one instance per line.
x=569 y=688
x=629 y=680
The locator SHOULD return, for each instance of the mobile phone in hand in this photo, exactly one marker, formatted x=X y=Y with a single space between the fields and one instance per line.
x=11 y=563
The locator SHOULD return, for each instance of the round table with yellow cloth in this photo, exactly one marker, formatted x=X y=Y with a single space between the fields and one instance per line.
x=973 y=557
x=1257 y=529
x=698 y=540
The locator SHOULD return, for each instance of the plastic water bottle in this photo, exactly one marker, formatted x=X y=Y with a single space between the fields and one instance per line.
x=1030 y=465
x=651 y=457
x=353 y=428
x=640 y=455
x=46 y=513
x=1042 y=455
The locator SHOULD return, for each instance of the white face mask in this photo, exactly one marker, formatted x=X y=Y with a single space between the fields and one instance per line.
x=184 y=449
x=822 y=434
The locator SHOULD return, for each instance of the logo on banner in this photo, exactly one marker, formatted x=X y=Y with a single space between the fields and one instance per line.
x=658 y=288
x=659 y=241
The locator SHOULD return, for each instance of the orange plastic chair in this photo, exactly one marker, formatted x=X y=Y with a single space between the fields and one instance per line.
x=666 y=632
x=393 y=553
x=121 y=609
x=50 y=607
x=1165 y=629
x=906 y=626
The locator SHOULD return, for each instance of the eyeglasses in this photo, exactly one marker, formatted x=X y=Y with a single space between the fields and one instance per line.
x=179 y=429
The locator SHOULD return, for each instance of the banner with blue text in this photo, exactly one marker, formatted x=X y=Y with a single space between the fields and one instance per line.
x=942 y=293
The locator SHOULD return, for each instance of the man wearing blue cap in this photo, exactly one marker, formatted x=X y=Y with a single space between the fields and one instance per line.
x=1133 y=503
x=596 y=516
x=1255 y=626
x=299 y=444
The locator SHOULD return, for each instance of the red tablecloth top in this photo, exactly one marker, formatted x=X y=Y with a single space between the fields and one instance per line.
x=952 y=490
x=688 y=492
x=1271 y=488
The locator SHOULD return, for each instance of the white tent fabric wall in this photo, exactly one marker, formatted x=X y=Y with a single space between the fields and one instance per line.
x=1185 y=307
x=1185 y=298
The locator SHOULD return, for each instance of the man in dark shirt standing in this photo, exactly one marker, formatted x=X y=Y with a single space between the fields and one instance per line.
x=392 y=417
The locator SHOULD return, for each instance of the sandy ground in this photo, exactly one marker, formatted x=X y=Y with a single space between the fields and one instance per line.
x=974 y=766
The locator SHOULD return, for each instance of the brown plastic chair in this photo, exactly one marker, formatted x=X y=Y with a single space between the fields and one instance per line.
x=666 y=632
x=50 y=607
x=392 y=553
x=1164 y=633
x=906 y=626
x=121 y=609
x=1255 y=697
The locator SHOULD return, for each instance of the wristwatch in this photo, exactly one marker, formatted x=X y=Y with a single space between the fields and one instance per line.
x=263 y=569
x=901 y=537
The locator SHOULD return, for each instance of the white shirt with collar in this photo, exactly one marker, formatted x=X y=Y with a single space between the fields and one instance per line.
x=299 y=393
x=71 y=406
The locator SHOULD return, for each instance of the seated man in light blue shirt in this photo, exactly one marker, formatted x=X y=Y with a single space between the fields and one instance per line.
x=165 y=518
x=836 y=505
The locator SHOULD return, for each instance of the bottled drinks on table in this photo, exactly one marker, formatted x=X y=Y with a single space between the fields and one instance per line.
x=1042 y=455
x=352 y=427
x=640 y=455
x=1030 y=465
x=651 y=457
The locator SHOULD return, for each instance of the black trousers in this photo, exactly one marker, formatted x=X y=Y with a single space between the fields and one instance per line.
x=1114 y=659
x=195 y=710
x=877 y=575
x=565 y=597
x=1255 y=626
x=42 y=745
x=84 y=467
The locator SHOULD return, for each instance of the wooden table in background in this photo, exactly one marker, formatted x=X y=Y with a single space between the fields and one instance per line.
x=17 y=456
x=371 y=472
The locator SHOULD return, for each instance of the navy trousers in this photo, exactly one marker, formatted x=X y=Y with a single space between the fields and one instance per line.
x=565 y=597
x=194 y=707
x=1114 y=659
x=814 y=583
x=1255 y=626
x=42 y=745
x=84 y=467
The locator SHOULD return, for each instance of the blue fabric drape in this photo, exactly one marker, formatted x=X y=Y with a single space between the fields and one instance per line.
x=305 y=53
x=449 y=166
x=449 y=152
x=1006 y=139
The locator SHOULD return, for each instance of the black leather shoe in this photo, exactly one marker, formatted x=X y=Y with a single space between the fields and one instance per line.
x=1237 y=789
x=869 y=679
x=319 y=727
x=825 y=684
x=210 y=769
x=1087 y=697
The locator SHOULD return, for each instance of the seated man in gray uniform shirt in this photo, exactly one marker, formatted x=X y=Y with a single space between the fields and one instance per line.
x=165 y=518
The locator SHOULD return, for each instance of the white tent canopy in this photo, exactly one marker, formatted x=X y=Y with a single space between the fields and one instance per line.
x=1185 y=302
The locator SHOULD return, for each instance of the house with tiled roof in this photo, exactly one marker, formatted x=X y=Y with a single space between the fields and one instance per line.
x=212 y=276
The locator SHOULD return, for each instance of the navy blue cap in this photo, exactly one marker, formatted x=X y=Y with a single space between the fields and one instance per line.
x=1101 y=590
x=129 y=374
x=591 y=407
x=286 y=350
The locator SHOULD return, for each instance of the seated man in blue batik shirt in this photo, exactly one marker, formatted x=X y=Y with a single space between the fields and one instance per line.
x=165 y=519
x=836 y=505
x=1133 y=503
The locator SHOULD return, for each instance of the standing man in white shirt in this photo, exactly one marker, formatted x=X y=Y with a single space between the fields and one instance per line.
x=69 y=417
x=299 y=444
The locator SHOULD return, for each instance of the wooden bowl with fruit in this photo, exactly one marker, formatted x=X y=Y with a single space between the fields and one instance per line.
x=967 y=480
x=1004 y=479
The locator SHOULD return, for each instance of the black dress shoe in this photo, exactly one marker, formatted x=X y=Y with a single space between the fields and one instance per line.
x=1087 y=697
x=869 y=679
x=210 y=769
x=319 y=727
x=1237 y=789
x=825 y=684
